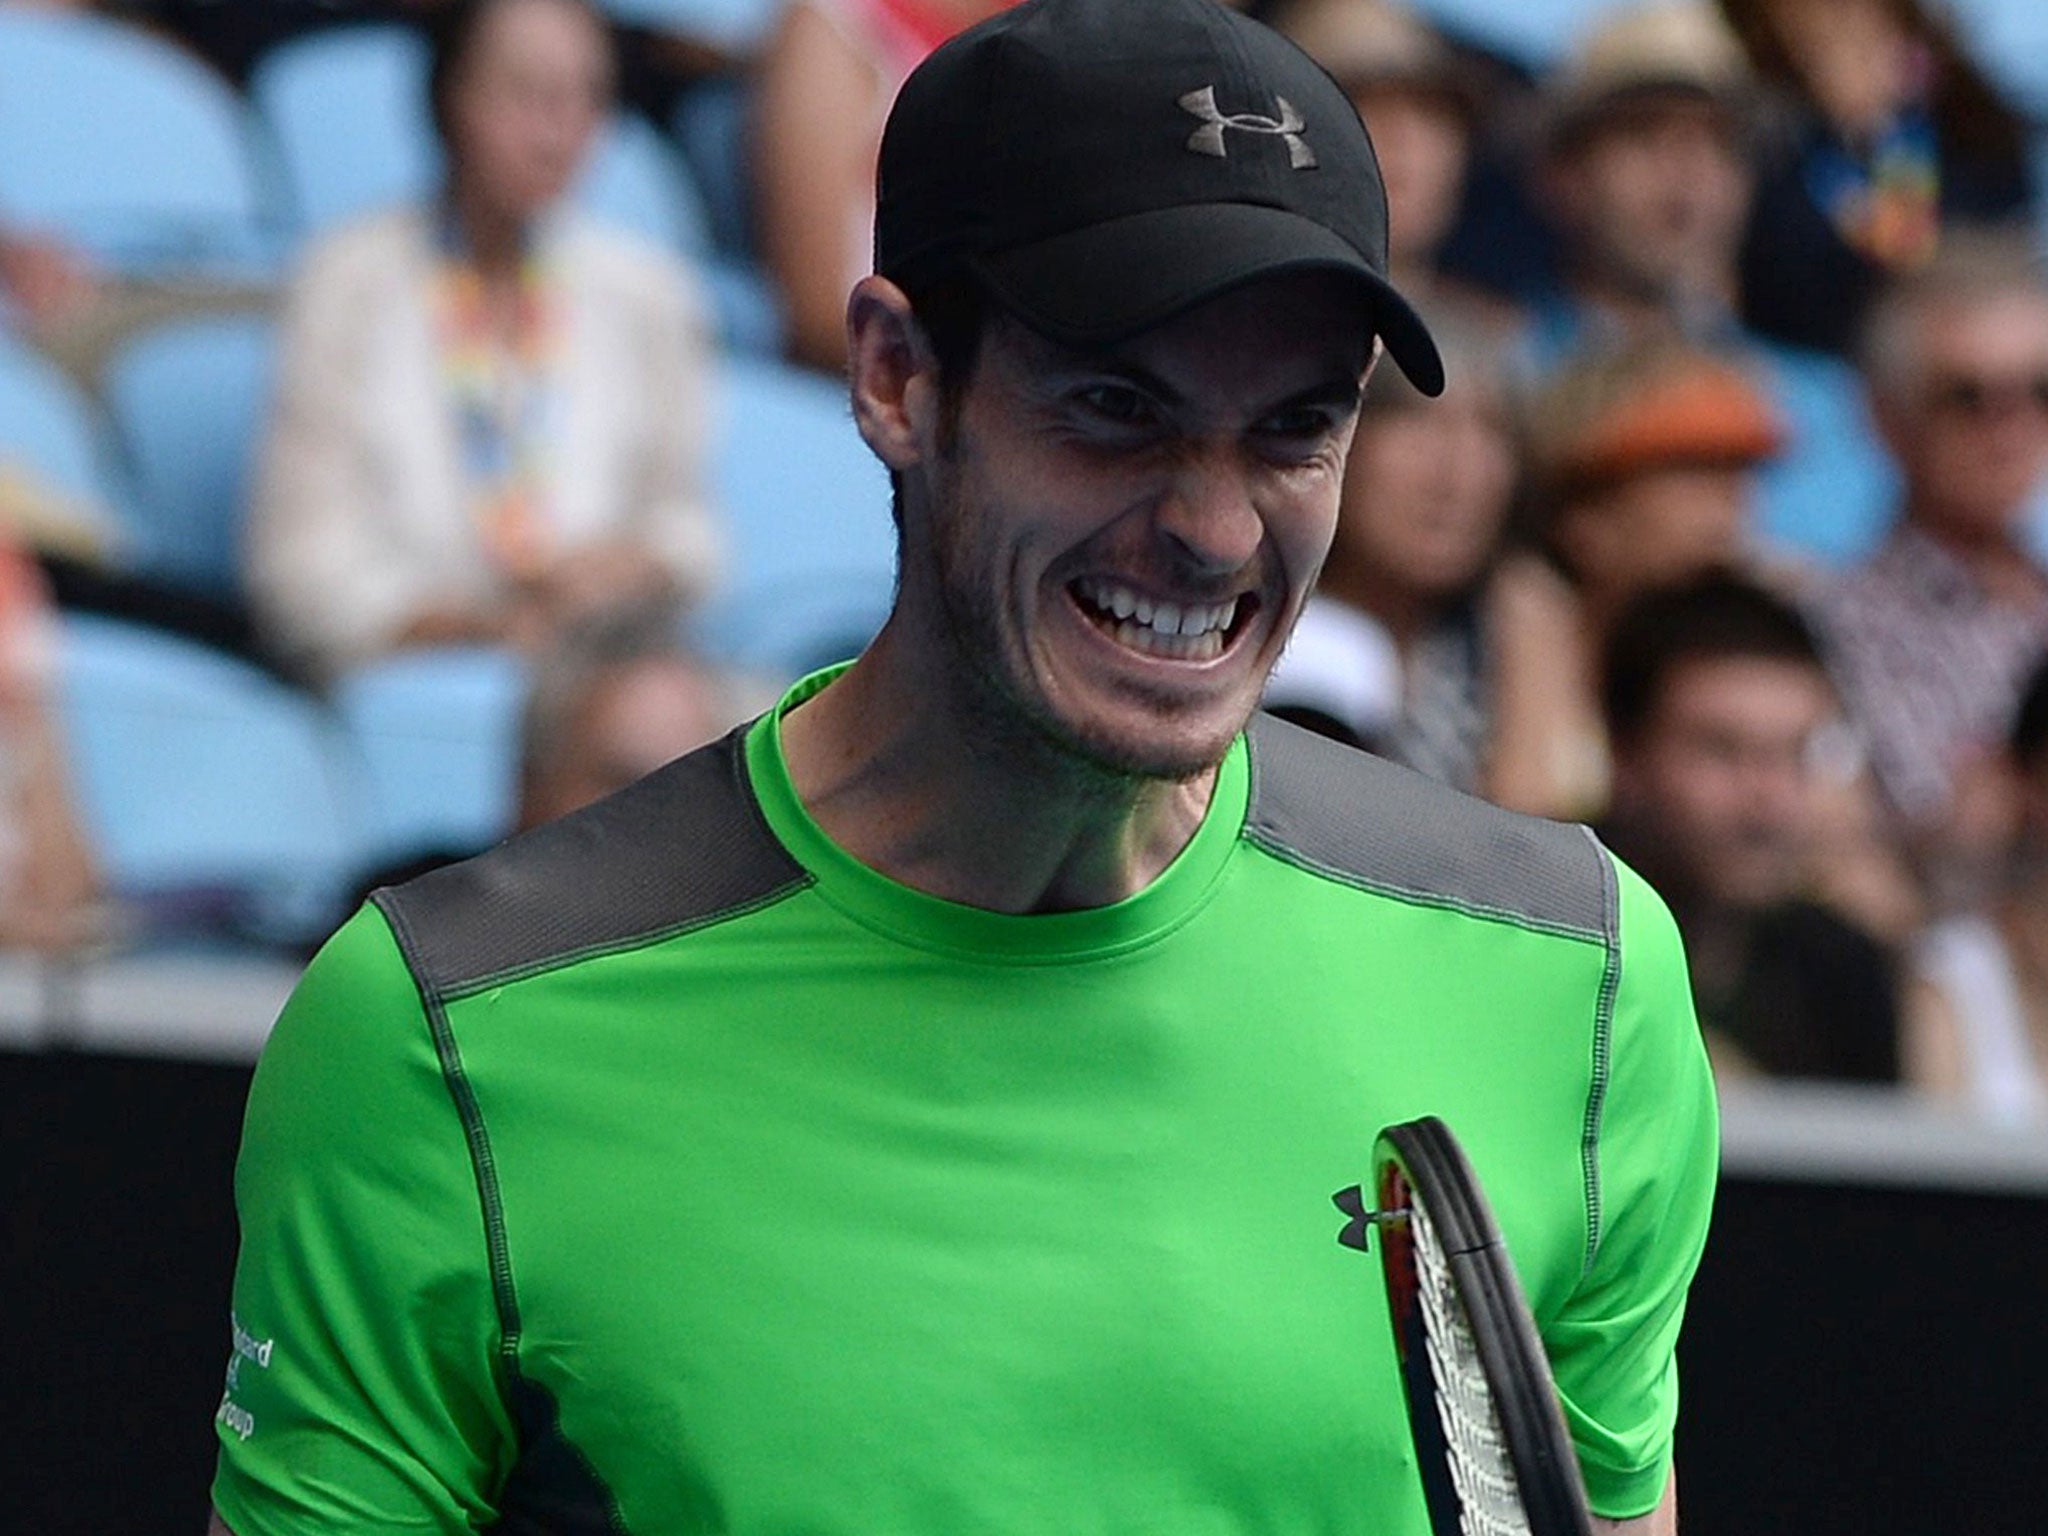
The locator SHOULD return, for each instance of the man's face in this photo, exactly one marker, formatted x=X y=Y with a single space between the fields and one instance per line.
x=1970 y=425
x=1120 y=542
x=1722 y=774
x=1655 y=196
x=1656 y=528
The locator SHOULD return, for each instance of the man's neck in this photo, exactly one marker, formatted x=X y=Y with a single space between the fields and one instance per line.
x=913 y=781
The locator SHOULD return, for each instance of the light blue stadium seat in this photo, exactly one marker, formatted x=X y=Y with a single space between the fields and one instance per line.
x=635 y=181
x=807 y=505
x=732 y=26
x=127 y=146
x=196 y=772
x=438 y=735
x=188 y=401
x=348 y=111
x=50 y=433
x=1534 y=33
x=708 y=127
x=2009 y=38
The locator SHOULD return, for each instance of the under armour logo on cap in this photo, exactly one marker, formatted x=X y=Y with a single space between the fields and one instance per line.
x=1208 y=139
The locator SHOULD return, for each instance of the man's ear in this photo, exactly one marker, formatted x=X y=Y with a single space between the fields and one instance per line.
x=893 y=374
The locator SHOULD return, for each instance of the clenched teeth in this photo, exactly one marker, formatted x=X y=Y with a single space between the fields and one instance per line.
x=1143 y=638
x=1128 y=609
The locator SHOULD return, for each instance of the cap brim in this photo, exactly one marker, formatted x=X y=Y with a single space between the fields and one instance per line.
x=1101 y=285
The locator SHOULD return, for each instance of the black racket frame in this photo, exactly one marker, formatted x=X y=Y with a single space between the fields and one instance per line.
x=1425 y=1158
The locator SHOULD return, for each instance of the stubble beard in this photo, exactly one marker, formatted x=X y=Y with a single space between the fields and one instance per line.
x=998 y=692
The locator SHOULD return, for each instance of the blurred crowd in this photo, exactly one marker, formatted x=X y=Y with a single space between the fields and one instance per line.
x=1728 y=535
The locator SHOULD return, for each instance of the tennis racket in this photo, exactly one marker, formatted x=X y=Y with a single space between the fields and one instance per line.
x=1489 y=1439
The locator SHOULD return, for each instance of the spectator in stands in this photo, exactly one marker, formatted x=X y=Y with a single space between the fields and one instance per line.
x=1643 y=461
x=1647 y=176
x=1476 y=694
x=1421 y=104
x=1977 y=1008
x=1717 y=703
x=490 y=412
x=827 y=79
x=49 y=885
x=1933 y=637
x=611 y=702
x=1895 y=135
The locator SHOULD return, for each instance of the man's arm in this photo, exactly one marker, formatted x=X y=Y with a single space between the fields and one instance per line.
x=217 y=1526
x=1612 y=1344
x=362 y=1384
x=1661 y=1521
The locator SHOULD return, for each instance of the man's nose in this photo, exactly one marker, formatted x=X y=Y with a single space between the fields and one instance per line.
x=1211 y=513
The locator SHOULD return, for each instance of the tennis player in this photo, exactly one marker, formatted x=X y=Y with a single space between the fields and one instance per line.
x=919 y=1112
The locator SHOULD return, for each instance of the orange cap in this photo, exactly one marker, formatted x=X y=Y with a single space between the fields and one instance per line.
x=1700 y=411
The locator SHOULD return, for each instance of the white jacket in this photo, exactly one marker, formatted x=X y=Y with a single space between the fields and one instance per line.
x=359 y=519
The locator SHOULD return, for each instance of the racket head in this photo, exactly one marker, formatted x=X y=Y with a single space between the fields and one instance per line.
x=1490 y=1440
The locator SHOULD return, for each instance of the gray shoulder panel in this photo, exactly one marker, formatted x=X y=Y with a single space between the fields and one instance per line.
x=1373 y=824
x=685 y=846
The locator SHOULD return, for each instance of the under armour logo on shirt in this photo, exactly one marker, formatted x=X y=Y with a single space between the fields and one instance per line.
x=1208 y=139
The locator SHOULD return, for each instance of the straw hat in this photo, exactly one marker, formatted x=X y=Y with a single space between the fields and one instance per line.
x=1377 y=43
x=1672 y=46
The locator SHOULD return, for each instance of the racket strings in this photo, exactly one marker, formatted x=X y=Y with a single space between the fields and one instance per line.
x=1489 y=1499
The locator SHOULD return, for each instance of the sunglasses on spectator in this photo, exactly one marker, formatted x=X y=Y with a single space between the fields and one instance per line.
x=1979 y=395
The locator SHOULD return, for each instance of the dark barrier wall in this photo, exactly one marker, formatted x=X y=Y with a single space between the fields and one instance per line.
x=1859 y=1359
x=1867 y=1360
x=116 y=1252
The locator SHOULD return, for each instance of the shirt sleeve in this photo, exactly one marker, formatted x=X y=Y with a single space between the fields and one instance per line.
x=1656 y=1160
x=364 y=1386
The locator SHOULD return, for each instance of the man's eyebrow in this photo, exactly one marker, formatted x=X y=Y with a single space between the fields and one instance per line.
x=1110 y=365
x=1340 y=389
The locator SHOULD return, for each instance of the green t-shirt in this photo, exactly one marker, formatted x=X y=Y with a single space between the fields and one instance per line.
x=668 y=1170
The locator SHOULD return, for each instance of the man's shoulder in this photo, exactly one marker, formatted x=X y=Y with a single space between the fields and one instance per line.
x=1348 y=816
x=684 y=848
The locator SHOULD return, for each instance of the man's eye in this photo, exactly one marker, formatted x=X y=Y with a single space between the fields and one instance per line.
x=1304 y=423
x=1116 y=403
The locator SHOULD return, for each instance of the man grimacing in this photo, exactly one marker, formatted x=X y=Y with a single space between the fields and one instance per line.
x=918 y=1112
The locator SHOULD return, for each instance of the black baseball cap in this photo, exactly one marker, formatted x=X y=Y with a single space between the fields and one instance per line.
x=1103 y=165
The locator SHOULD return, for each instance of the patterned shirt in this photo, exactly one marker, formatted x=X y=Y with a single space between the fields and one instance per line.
x=1444 y=721
x=1930 y=664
